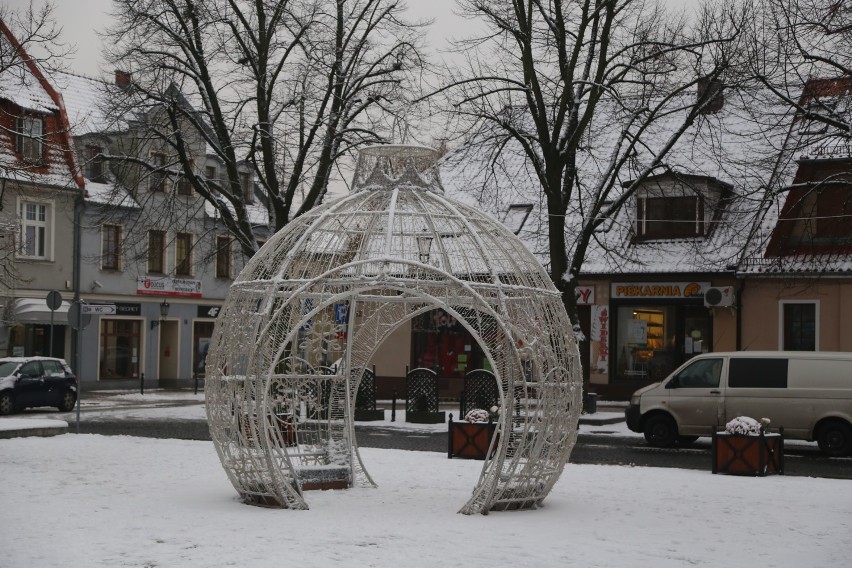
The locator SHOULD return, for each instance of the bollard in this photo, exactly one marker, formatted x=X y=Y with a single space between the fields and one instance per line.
x=196 y=383
x=142 y=383
x=393 y=407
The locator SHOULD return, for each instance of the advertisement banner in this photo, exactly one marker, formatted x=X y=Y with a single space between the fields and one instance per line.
x=147 y=286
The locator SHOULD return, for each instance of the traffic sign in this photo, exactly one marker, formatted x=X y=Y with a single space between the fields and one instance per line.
x=98 y=309
x=76 y=318
x=54 y=300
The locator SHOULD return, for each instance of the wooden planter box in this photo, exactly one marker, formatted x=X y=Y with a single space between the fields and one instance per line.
x=737 y=454
x=323 y=478
x=470 y=439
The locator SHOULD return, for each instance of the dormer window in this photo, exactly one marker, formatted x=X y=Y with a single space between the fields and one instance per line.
x=247 y=187
x=817 y=214
x=28 y=141
x=157 y=180
x=95 y=164
x=516 y=217
x=670 y=217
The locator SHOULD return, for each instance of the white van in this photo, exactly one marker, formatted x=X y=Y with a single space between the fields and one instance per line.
x=809 y=394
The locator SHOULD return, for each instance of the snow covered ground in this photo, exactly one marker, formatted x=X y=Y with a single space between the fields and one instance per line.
x=86 y=500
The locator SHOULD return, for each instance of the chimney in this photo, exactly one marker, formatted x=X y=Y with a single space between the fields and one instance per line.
x=123 y=79
x=717 y=97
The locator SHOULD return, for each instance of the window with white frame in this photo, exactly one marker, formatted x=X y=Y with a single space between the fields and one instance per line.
x=670 y=217
x=28 y=142
x=36 y=223
x=110 y=246
x=799 y=329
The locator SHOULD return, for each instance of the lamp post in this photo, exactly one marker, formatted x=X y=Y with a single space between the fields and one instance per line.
x=164 y=313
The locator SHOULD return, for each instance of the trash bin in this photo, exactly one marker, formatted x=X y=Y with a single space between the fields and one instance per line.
x=590 y=403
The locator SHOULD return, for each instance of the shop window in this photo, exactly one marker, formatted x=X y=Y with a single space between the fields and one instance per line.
x=651 y=341
x=120 y=348
x=156 y=252
x=202 y=332
x=669 y=217
x=799 y=326
x=440 y=343
x=36 y=225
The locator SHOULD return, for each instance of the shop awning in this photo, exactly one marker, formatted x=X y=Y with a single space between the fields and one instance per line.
x=35 y=310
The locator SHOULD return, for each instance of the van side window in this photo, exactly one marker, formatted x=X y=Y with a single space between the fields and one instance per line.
x=702 y=374
x=755 y=373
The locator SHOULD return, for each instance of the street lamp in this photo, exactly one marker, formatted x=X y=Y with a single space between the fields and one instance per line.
x=164 y=313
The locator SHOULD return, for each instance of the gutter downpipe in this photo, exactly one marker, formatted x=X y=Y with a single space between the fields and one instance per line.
x=738 y=341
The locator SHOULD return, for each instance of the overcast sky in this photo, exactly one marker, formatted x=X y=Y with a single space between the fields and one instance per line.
x=81 y=19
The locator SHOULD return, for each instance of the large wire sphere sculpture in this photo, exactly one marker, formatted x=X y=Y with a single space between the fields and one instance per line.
x=312 y=309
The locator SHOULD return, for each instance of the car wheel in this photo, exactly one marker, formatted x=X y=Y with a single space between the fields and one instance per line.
x=69 y=399
x=686 y=440
x=660 y=431
x=7 y=404
x=835 y=439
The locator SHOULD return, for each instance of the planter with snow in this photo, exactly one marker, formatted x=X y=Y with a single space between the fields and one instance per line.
x=744 y=448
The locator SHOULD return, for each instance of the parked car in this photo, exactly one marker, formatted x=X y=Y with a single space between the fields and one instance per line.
x=809 y=394
x=36 y=381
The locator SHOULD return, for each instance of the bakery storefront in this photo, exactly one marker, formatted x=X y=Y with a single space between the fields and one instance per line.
x=653 y=327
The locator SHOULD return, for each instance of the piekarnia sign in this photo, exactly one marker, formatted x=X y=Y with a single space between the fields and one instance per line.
x=168 y=287
x=658 y=289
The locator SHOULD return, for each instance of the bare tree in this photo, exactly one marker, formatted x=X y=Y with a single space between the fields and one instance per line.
x=37 y=32
x=797 y=47
x=593 y=94
x=280 y=88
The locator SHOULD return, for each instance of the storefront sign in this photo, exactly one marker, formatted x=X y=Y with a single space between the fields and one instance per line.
x=600 y=340
x=652 y=290
x=125 y=309
x=208 y=311
x=585 y=295
x=168 y=287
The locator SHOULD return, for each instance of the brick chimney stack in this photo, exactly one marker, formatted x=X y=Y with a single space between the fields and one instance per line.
x=123 y=79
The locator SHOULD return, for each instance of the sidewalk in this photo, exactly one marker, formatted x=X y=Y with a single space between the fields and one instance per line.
x=184 y=404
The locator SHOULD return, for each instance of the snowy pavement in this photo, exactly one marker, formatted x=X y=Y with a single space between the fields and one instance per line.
x=96 y=501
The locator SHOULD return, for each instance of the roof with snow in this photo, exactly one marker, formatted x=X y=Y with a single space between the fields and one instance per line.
x=740 y=149
x=23 y=84
x=819 y=151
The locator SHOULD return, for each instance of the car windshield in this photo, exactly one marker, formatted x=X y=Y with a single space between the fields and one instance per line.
x=7 y=368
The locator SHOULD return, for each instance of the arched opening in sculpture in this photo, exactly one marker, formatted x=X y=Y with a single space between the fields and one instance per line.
x=334 y=285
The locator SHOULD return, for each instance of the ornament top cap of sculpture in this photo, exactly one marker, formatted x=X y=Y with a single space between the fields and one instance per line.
x=397 y=166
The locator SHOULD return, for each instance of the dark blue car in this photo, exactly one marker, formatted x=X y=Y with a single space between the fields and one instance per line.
x=36 y=381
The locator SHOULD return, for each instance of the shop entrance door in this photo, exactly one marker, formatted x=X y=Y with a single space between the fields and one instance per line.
x=168 y=352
